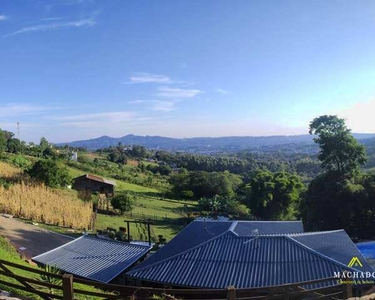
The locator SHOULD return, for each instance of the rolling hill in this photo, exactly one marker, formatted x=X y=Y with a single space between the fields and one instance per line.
x=201 y=144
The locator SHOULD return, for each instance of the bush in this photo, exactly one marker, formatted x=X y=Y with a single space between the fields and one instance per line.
x=20 y=161
x=50 y=173
x=122 y=202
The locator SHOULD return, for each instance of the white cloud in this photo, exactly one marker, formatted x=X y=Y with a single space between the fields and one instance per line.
x=22 y=109
x=51 y=19
x=110 y=117
x=54 y=26
x=149 y=78
x=360 y=116
x=3 y=17
x=163 y=105
x=222 y=91
x=177 y=93
x=156 y=105
x=137 y=101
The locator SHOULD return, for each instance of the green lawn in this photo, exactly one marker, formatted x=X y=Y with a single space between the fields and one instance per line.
x=149 y=203
x=164 y=212
x=7 y=252
x=120 y=185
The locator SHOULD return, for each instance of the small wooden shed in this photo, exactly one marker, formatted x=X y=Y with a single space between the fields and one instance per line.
x=94 y=183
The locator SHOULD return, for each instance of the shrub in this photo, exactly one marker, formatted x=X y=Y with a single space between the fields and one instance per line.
x=50 y=173
x=122 y=202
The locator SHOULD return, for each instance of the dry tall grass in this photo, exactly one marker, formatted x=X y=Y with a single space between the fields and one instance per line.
x=36 y=202
x=9 y=172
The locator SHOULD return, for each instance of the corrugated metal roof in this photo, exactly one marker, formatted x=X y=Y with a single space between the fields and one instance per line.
x=200 y=231
x=93 y=258
x=249 y=228
x=257 y=261
x=97 y=178
x=192 y=235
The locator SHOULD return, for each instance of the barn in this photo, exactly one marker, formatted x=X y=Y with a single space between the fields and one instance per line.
x=94 y=183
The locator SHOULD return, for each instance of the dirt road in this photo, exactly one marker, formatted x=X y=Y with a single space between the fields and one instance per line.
x=30 y=240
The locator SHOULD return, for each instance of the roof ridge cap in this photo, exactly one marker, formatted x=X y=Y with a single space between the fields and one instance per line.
x=181 y=253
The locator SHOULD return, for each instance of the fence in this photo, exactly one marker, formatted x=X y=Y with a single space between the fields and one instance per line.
x=67 y=291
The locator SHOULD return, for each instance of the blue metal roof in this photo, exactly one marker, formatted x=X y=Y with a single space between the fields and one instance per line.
x=249 y=228
x=200 y=231
x=253 y=261
x=93 y=258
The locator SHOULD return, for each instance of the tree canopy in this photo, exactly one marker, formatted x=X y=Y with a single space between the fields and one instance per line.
x=339 y=150
x=274 y=196
x=50 y=173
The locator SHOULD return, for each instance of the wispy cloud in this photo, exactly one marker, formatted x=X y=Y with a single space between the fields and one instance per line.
x=11 y=109
x=166 y=106
x=136 y=101
x=51 y=19
x=156 y=105
x=177 y=93
x=55 y=26
x=222 y=91
x=112 y=117
x=148 y=78
x=3 y=17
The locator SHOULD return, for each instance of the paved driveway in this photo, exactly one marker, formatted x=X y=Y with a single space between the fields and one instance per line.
x=30 y=240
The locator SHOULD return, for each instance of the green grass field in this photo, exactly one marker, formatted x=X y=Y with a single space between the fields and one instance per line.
x=149 y=203
x=120 y=185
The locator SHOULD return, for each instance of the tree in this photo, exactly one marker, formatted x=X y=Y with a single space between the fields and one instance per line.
x=206 y=184
x=50 y=173
x=122 y=202
x=342 y=197
x=14 y=146
x=218 y=205
x=3 y=142
x=339 y=150
x=274 y=196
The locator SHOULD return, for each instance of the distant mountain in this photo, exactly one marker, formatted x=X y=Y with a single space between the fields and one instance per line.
x=204 y=144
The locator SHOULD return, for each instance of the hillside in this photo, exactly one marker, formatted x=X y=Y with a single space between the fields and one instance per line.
x=204 y=144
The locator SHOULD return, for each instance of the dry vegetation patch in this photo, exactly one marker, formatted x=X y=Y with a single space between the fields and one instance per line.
x=9 y=172
x=36 y=202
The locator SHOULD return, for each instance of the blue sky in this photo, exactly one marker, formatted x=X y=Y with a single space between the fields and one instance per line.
x=76 y=69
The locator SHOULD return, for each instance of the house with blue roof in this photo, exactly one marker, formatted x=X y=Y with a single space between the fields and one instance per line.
x=249 y=254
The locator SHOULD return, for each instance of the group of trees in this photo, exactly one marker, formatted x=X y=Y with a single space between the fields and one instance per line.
x=341 y=195
x=120 y=154
x=202 y=184
x=344 y=195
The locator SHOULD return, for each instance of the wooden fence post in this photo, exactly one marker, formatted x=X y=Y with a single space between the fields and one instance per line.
x=67 y=281
x=347 y=291
x=231 y=293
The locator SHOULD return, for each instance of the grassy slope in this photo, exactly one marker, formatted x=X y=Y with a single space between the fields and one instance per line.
x=7 y=252
x=120 y=185
x=150 y=203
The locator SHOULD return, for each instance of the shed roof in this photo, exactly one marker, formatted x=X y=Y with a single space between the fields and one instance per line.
x=96 y=178
x=93 y=258
x=247 y=261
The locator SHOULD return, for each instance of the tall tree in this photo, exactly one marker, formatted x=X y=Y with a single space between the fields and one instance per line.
x=340 y=197
x=274 y=196
x=3 y=142
x=339 y=150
